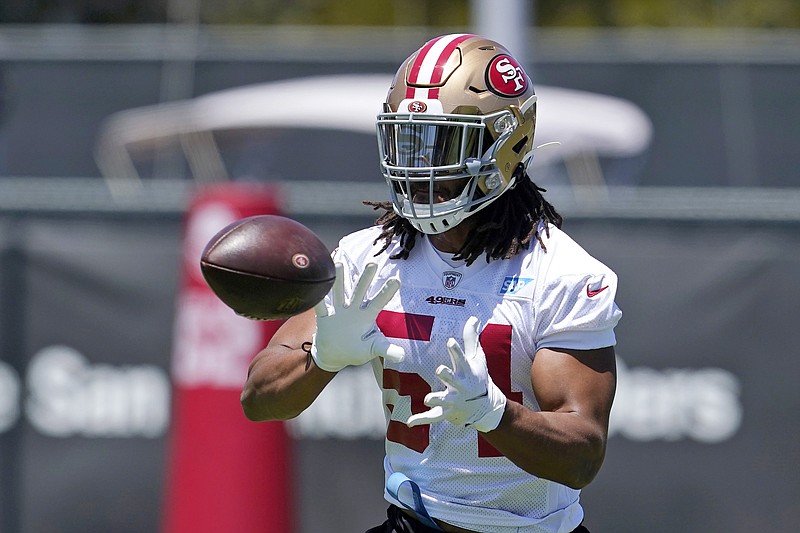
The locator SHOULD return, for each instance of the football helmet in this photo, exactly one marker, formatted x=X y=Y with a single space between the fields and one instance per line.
x=459 y=108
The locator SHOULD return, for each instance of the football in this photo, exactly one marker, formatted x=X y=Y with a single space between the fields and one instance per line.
x=268 y=267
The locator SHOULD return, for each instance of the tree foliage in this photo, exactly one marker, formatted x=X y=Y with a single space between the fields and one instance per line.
x=575 y=13
x=660 y=13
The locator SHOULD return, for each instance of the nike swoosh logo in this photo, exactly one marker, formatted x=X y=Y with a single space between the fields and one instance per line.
x=591 y=294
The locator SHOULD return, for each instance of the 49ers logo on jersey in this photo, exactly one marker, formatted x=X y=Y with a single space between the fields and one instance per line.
x=505 y=77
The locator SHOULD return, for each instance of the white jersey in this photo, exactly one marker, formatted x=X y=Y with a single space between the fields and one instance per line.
x=559 y=298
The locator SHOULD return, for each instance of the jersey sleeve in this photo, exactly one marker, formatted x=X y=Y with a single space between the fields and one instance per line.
x=340 y=256
x=577 y=311
x=352 y=251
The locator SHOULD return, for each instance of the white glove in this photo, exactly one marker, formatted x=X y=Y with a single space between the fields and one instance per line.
x=470 y=397
x=350 y=335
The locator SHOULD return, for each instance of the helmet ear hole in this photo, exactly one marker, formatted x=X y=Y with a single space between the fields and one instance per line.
x=520 y=145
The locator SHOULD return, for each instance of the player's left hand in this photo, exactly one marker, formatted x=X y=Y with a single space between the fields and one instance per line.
x=470 y=397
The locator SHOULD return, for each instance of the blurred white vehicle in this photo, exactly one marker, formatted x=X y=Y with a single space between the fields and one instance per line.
x=323 y=129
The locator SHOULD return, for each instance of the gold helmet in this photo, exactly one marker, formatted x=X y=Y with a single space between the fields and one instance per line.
x=459 y=108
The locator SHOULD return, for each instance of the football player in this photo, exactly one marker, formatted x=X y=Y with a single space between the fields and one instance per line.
x=489 y=330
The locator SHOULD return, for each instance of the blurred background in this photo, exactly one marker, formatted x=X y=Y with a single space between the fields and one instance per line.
x=131 y=131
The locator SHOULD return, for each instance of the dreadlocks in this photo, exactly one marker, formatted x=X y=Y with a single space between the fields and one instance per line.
x=506 y=226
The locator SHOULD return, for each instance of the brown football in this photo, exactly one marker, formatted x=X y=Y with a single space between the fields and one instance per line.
x=268 y=267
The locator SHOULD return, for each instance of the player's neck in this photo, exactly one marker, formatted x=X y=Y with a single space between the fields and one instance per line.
x=452 y=240
x=447 y=257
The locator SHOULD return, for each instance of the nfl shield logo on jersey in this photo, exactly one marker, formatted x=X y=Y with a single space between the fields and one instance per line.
x=450 y=279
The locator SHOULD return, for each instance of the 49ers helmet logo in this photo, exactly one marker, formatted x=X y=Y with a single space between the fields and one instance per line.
x=417 y=107
x=505 y=77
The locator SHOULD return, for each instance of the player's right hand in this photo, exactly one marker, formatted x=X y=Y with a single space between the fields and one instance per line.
x=349 y=335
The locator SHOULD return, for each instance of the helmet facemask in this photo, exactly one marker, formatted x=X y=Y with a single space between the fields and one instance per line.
x=420 y=151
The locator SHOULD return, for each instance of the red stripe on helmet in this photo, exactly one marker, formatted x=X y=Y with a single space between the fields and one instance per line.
x=417 y=65
x=438 y=70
